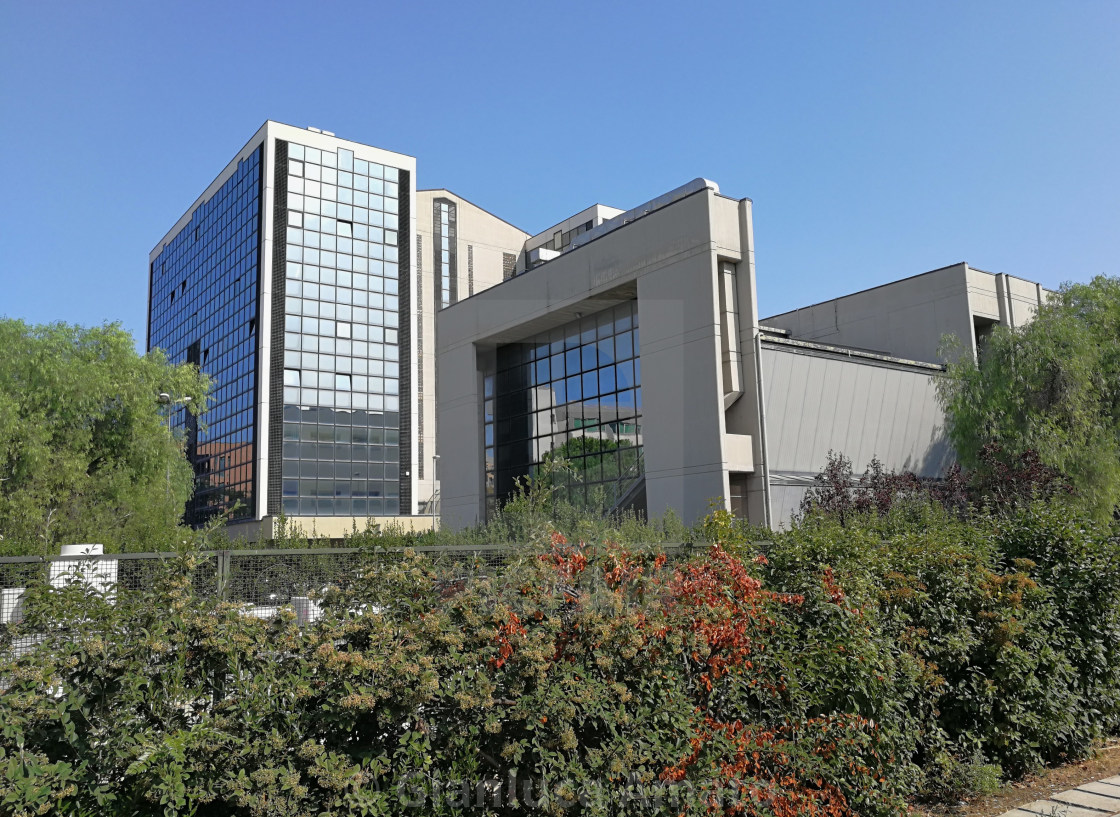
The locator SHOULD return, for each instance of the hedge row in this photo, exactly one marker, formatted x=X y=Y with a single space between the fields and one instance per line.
x=842 y=670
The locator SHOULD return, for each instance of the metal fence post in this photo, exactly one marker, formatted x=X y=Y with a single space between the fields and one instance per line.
x=223 y=573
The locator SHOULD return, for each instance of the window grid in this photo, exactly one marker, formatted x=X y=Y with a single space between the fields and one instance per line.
x=342 y=344
x=419 y=357
x=203 y=309
x=444 y=250
x=573 y=392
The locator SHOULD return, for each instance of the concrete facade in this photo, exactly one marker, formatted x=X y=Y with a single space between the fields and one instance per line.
x=547 y=244
x=675 y=261
x=908 y=318
x=731 y=408
x=487 y=250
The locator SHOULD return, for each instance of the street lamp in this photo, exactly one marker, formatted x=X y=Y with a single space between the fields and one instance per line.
x=435 y=491
x=165 y=399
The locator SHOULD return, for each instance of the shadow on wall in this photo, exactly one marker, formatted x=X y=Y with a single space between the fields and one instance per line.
x=939 y=457
x=787 y=489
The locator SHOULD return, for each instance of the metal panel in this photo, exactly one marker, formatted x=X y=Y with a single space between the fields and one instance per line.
x=862 y=409
x=407 y=404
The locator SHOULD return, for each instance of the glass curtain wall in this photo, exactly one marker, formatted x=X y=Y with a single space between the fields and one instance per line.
x=203 y=310
x=341 y=426
x=572 y=393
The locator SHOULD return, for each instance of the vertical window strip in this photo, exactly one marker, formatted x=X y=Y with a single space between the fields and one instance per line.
x=420 y=356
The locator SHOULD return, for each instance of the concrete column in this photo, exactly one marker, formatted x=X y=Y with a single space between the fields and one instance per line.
x=747 y=415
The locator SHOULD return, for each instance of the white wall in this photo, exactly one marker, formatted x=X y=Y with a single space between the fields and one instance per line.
x=483 y=236
x=908 y=318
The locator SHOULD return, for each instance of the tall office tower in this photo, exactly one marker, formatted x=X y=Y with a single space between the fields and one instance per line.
x=296 y=283
x=287 y=282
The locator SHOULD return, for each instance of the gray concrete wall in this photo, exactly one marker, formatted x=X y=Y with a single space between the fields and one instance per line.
x=909 y=318
x=1003 y=298
x=670 y=261
x=817 y=402
x=904 y=319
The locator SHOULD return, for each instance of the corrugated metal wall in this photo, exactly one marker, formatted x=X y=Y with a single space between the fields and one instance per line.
x=816 y=402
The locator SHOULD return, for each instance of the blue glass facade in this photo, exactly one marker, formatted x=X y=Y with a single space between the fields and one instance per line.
x=341 y=353
x=574 y=393
x=203 y=309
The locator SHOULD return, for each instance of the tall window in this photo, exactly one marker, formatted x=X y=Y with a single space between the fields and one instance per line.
x=443 y=224
x=571 y=393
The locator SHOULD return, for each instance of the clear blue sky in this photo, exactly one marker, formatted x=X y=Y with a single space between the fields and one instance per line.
x=877 y=140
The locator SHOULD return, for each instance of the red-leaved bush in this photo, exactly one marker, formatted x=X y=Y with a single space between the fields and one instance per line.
x=578 y=679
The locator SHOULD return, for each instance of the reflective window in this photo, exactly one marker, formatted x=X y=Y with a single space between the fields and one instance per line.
x=573 y=393
x=211 y=268
x=352 y=417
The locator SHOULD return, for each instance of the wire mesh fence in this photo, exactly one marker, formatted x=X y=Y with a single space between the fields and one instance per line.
x=263 y=580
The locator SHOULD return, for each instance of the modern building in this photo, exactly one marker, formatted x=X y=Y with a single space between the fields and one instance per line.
x=296 y=283
x=551 y=242
x=387 y=353
x=634 y=350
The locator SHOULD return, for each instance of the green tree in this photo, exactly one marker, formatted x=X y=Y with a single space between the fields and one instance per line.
x=1052 y=386
x=85 y=451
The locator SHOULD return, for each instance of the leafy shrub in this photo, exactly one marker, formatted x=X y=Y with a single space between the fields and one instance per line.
x=1000 y=483
x=904 y=648
x=996 y=632
x=537 y=508
x=594 y=673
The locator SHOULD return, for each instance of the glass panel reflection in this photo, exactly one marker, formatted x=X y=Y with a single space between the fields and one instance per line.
x=571 y=394
x=345 y=268
x=203 y=311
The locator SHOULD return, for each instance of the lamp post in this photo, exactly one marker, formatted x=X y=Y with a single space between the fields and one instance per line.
x=435 y=492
